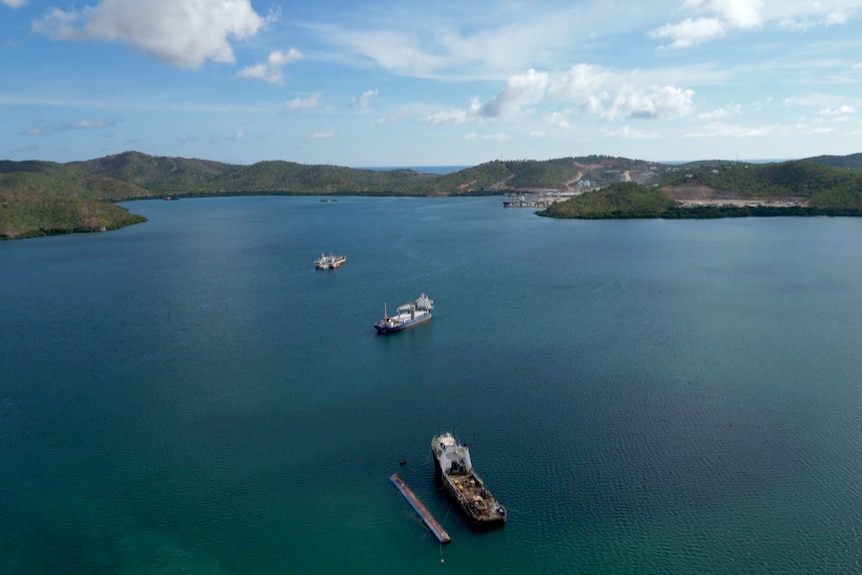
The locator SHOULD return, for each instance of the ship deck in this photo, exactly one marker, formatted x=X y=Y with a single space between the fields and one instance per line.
x=471 y=490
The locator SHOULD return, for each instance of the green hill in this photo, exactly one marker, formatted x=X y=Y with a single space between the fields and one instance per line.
x=37 y=204
x=852 y=161
x=620 y=200
x=730 y=189
x=38 y=197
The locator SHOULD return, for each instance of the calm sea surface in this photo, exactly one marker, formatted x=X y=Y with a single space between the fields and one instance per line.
x=646 y=397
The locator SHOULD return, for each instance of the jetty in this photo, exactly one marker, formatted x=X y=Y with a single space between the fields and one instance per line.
x=417 y=505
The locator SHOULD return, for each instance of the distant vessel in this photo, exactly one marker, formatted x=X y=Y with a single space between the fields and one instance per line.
x=330 y=262
x=407 y=315
x=456 y=474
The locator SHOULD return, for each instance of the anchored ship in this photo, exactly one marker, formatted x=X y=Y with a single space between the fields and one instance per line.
x=330 y=262
x=407 y=315
x=456 y=474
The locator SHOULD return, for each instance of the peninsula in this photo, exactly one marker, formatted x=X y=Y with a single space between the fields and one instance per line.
x=41 y=198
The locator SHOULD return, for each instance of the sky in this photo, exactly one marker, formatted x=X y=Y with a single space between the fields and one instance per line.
x=443 y=83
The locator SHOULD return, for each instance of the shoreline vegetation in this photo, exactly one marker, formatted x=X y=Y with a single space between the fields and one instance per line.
x=39 y=198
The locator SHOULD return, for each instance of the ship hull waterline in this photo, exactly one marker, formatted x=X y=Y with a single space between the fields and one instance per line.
x=383 y=330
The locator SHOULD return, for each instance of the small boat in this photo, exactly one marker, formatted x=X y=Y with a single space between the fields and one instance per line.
x=329 y=262
x=455 y=473
x=408 y=315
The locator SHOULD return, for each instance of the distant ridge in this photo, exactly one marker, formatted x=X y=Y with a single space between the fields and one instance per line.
x=40 y=197
x=852 y=161
x=435 y=170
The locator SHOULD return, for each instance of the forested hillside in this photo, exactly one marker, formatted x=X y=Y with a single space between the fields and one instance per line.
x=38 y=197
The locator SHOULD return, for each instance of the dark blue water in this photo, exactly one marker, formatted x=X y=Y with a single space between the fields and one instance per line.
x=190 y=396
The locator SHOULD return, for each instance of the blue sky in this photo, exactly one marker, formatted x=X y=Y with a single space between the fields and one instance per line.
x=406 y=83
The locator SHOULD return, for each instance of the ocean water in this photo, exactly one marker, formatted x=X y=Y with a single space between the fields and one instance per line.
x=190 y=396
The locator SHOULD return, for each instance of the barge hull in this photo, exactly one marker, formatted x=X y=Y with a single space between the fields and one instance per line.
x=417 y=505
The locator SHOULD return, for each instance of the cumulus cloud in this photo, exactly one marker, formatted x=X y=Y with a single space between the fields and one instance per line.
x=312 y=101
x=666 y=102
x=14 y=3
x=593 y=90
x=711 y=19
x=270 y=71
x=361 y=102
x=690 y=31
x=453 y=117
x=520 y=91
x=183 y=33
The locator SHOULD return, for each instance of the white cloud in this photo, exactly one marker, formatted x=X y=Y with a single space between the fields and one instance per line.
x=312 y=101
x=14 y=3
x=628 y=133
x=447 y=118
x=398 y=52
x=711 y=19
x=690 y=32
x=797 y=101
x=826 y=105
x=520 y=91
x=279 y=58
x=737 y=13
x=456 y=116
x=560 y=119
x=801 y=16
x=720 y=113
x=837 y=111
x=666 y=102
x=320 y=135
x=183 y=33
x=361 y=103
x=717 y=129
x=595 y=92
x=449 y=39
x=270 y=71
x=580 y=81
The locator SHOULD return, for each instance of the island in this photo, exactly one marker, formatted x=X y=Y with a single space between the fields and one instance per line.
x=41 y=198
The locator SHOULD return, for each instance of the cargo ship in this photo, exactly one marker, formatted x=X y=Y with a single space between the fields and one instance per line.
x=329 y=262
x=407 y=315
x=455 y=473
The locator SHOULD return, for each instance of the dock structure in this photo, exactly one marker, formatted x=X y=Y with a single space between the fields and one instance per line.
x=426 y=516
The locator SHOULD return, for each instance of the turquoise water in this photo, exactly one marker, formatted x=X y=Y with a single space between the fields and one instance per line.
x=190 y=396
